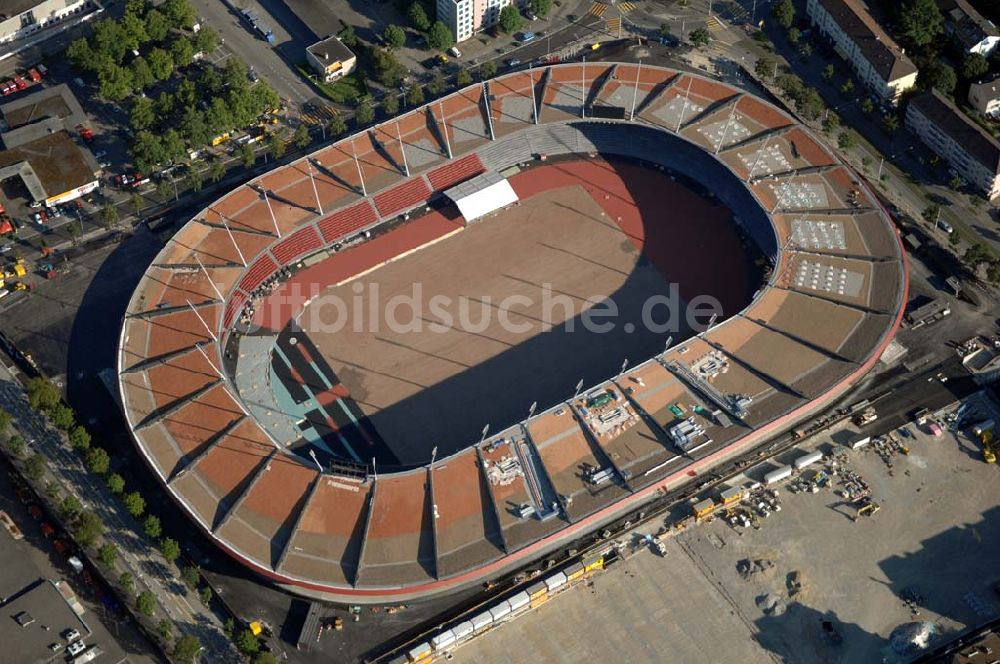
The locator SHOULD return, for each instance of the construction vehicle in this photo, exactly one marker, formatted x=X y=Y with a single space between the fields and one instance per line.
x=866 y=507
x=867 y=416
x=17 y=270
x=989 y=447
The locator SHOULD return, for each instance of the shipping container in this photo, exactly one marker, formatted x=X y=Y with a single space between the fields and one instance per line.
x=443 y=640
x=859 y=440
x=500 y=611
x=463 y=630
x=703 y=508
x=519 y=601
x=481 y=621
x=555 y=581
x=399 y=659
x=536 y=590
x=807 y=460
x=732 y=495
x=574 y=571
x=778 y=474
x=420 y=653
x=594 y=563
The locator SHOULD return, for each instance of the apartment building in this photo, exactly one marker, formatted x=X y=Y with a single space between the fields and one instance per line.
x=984 y=96
x=467 y=17
x=968 y=148
x=877 y=60
x=970 y=29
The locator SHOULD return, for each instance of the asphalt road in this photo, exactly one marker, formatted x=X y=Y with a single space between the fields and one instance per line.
x=145 y=562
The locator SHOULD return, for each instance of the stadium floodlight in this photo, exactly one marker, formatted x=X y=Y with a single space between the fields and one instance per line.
x=434 y=453
x=531 y=409
x=312 y=453
x=579 y=386
x=486 y=430
x=624 y=366
x=670 y=341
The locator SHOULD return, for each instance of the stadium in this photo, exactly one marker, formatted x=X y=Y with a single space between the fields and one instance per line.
x=348 y=455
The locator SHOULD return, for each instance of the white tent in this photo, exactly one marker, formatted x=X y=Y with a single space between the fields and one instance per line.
x=481 y=195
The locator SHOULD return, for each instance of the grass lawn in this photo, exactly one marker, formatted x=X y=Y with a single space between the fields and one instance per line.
x=342 y=91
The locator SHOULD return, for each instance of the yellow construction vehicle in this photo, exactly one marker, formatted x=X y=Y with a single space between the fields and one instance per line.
x=989 y=448
x=867 y=507
x=16 y=270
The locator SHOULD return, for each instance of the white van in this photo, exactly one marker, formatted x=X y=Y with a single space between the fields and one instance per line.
x=454 y=52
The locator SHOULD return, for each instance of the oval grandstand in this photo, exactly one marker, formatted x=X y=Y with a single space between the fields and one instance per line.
x=832 y=303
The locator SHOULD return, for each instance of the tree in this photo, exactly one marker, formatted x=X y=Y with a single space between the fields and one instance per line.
x=418 y=16
x=81 y=55
x=182 y=51
x=98 y=460
x=157 y=26
x=142 y=114
x=510 y=19
x=847 y=87
x=487 y=70
x=142 y=75
x=794 y=35
x=191 y=577
x=867 y=105
x=365 y=111
x=180 y=13
x=540 y=8
x=977 y=254
x=956 y=182
x=845 y=141
x=165 y=629
x=116 y=484
x=170 y=549
x=440 y=37
x=765 y=67
x=137 y=202
x=806 y=50
x=234 y=75
x=5 y=420
x=301 y=137
x=194 y=178
x=109 y=215
x=390 y=105
x=16 y=446
x=110 y=41
x=784 y=13
x=463 y=78
x=265 y=658
x=205 y=595
x=108 y=554
x=828 y=72
x=88 y=528
x=42 y=394
x=700 y=37
x=394 y=36
x=275 y=146
x=435 y=86
x=127 y=582
x=70 y=507
x=151 y=526
x=134 y=503
x=246 y=642
x=337 y=125
x=931 y=213
x=415 y=95
x=161 y=64
x=145 y=602
x=114 y=82
x=62 y=416
x=890 y=122
x=920 y=21
x=937 y=75
x=247 y=156
x=134 y=29
x=35 y=467
x=217 y=170
x=974 y=66
x=187 y=648
x=348 y=37
x=205 y=40
x=831 y=123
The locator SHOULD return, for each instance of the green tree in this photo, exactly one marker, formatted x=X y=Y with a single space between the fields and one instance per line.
x=137 y=202
x=145 y=602
x=890 y=122
x=415 y=95
x=180 y=13
x=161 y=64
x=487 y=70
x=109 y=215
x=234 y=75
x=170 y=549
x=191 y=577
x=794 y=35
x=34 y=468
x=435 y=86
x=931 y=213
x=16 y=446
x=164 y=189
x=700 y=37
x=205 y=41
x=337 y=125
x=134 y=29
x=845 y=141
x=108 y=554
x=42 y=394
x=441 y=38
x=394 y=36
x=79 y=439
x=134 y=503
x=142 y=75
x=194 y=178
x=88 y=528
x=974 y=66
x=217 y=170
x=98 y=460
x=127 y=582
x=205 y=595
x=463 y=78
x=110 y=41
x=275 y=146
x=937 y=75
x=806 y=50
x=784 y=13
x=265 y=658
x=867 y=106
x=847 y=87
x=828 y=72
x=181 y=51
x=765 y=67
x=81 y=55
x=165 y=629
x=187 y=648
x=920 y=21
x=62 y=417
x=510 y=19
x=540 y=8
x=831 y=123
x=418 y=16
x=151 y=526
x=301 y=137
x=348 y=37
x=5 y=420
x=390 y=104
x=365 y=111
x=114 y=82
x=142 y=114
x=70 y=507
x=246 y=642
x=116 y=484
x=157 y=26
x=247 y=156
x=956 y=182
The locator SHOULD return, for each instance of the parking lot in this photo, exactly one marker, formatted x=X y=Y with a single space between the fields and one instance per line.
x=814 y=582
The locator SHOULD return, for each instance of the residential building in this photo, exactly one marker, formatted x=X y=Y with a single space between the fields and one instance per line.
x=21 y=18
x=467 y=17
x=877 y=60
x=331 y=59
x=984 y=96
x=974 y=32
x=969 y=149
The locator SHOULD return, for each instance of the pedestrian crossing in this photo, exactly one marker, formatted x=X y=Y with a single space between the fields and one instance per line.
x=316 y=115
x=714 y=25
x=626 y=7
x=597 y=9
x=613 y=24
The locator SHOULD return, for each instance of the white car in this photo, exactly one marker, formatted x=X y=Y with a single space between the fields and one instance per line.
x=454 y=52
